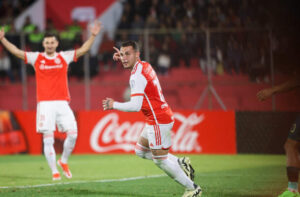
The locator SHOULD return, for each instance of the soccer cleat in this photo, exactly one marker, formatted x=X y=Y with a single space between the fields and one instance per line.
x=186 y=166
x=65 y=169
x=288 y=193
x=56 y=177
x=197 y=192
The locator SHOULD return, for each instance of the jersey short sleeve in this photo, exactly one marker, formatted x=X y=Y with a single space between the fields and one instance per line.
x=137 y=84
x=31 y=57
x=69 y=56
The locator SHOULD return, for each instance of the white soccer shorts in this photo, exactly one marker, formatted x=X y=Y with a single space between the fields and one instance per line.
x=159 y=136
x=52 y=113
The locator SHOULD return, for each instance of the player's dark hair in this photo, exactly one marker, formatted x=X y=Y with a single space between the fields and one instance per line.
x=132 y=43
x=49 y=34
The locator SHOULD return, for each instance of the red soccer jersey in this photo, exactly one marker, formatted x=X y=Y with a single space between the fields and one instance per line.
x=143 y=81
x=51 y=74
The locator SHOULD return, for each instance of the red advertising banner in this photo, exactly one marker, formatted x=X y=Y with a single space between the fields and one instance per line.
x=117 y=132
x=12 y=139
x=193 y=132
x=26 y=120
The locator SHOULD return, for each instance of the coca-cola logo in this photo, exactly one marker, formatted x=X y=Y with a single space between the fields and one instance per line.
x=108 y=128
x=185 y=139
x=110 y=135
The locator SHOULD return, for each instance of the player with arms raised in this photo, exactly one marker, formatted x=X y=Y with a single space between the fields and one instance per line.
x=155 y=140
x=53 y=94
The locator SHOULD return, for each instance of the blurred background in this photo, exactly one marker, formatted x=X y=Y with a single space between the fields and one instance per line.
x=210 y=55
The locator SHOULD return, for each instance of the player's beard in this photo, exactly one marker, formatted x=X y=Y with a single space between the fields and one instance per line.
x=50 y=51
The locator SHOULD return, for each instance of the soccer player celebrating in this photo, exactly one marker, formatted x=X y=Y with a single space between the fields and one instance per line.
x=53 y=94
x=155 y=140
x=291 y=145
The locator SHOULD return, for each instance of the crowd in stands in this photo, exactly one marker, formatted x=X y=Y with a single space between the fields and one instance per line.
x=233 y=49
x=70 y=37
x=239 y=36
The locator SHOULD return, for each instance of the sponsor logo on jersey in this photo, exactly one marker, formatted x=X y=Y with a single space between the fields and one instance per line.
x=49 y=67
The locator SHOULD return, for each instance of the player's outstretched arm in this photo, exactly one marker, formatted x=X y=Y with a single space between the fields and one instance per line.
x=10 y=47
x=134 y=105
x=94 y=29
x=268 y=92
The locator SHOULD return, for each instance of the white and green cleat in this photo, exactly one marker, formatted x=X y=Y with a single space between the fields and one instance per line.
x=196 y=192
x=185 y=164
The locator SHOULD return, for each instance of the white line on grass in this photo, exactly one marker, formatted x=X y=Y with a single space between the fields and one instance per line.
x=76 y=182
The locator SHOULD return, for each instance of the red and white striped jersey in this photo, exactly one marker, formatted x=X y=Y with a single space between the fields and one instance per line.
x=51 y=74
x=144 y=82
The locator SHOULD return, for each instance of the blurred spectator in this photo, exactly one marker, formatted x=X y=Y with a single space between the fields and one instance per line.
x=140 y=8
x=137 y=24
x=185 y=50
x=106 y=51
x=75 y=29
x=151 y=22
x=164 y=59
x=4 y=7
x=259 y=70
x=234 y=57
x=28 y=26
x=202 y=60
x=35 y=39
x=5 y=66
x=220 y=63
x=50 y=27
x=67 y=38
x=124 y=24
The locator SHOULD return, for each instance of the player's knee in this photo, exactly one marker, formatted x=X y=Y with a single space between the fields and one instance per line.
x=140 y=153
x=48 y=141
x=72 y=135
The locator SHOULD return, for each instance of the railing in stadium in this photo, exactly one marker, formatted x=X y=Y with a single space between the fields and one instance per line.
x=217 y=52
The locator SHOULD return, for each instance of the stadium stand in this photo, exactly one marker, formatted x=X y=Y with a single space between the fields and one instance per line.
x=239 y=43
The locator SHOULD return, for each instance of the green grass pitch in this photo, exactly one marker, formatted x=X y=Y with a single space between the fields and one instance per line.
x=109 y=175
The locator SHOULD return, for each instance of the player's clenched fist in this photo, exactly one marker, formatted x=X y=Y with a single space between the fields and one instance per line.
x=107 y=103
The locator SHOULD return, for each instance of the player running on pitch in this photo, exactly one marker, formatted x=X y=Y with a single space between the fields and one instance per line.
x=53 y=94
x=155 y=140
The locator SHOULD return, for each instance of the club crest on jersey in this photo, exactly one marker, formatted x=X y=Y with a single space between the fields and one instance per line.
x=57 y=61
